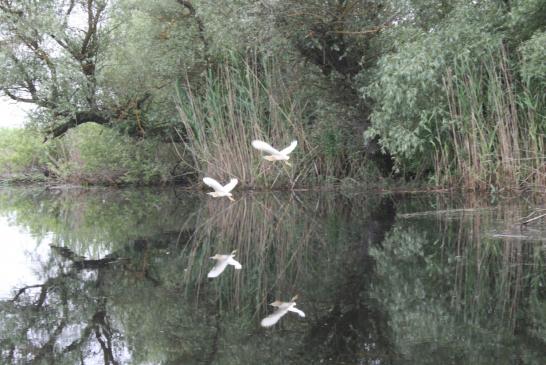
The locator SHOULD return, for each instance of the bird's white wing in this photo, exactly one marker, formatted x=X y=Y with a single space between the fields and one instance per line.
x=262 y=146
x=218 y=268
x=213 y=184
x=229 y=187
x=273 y=318
x=235 y=263
x=296 y=310
x=290 y=148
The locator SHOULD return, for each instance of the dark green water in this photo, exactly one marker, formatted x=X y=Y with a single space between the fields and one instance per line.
x=120 y=277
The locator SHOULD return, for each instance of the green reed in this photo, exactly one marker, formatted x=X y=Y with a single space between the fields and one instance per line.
x=241 y=100
x=496 y=133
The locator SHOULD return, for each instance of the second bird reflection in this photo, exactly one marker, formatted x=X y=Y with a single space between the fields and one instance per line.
x=282 y=309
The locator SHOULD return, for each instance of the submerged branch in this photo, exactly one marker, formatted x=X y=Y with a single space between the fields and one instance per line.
x=79 y=262
x=439 y=212
x=533 y=219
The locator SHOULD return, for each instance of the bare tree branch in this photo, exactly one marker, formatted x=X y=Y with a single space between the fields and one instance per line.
x=24 y=289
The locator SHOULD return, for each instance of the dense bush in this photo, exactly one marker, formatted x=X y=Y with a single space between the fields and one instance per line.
x=89 y=154
x=94 y=154
x=461 y=99
x=21 y=151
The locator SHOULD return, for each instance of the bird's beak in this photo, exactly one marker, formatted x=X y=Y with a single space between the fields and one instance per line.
x=230 y=198
x=288 y=163
x=294 y=299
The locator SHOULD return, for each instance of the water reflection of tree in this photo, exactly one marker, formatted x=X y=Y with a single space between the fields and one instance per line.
x=93 y=222
x=435 y=290
x=355 y=327
x=38 y=315
x=149 y=299
x=314 y=245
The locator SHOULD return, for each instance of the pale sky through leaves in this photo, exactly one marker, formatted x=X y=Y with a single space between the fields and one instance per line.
x=12 y=114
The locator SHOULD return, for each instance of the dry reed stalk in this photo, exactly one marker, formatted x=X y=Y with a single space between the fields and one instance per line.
x=494 y=139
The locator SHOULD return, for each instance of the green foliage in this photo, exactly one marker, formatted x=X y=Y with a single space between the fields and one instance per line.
x=155 y=44
x=360 y=73
x=94 y=154
x=525 y=18
x=533 y=62
x=21 y=151
x=89 y=154
x=454 y=99
x=410 y=103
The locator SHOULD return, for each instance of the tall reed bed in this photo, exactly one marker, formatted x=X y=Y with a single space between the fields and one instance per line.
x=244 y=98
x=497 y=130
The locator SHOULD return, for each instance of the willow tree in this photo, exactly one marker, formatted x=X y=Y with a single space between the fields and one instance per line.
x=96 y=61
x=51 y=52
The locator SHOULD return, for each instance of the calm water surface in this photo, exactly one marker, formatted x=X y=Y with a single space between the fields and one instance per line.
x=120 y=277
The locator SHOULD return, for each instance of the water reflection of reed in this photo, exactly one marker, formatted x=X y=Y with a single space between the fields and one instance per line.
x=497 y=262
x=283 y=241
x=276 y=240
x=492 y=267
x=451 y=284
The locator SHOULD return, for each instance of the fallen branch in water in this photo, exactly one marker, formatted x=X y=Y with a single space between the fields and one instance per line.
x=532 y=219
x=439 y=212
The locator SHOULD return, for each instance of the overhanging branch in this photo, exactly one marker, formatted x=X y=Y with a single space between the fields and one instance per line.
x=77 y=119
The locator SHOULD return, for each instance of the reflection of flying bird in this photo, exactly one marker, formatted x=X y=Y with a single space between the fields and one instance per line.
x=222 y=261
x=220 y=190
x=282 y=309
x=274 y=154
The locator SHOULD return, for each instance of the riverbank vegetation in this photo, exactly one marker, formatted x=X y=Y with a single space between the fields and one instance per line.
x=90 y=155
x=439 y=93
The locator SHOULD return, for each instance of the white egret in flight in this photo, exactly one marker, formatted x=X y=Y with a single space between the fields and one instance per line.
x=282 y=309
x=274 y=154
x=222 y=261
x=220 y=190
